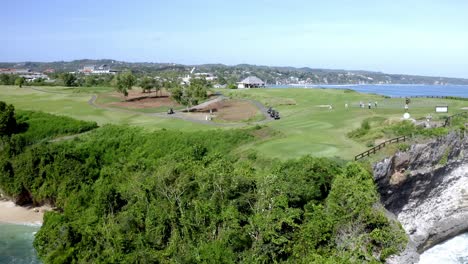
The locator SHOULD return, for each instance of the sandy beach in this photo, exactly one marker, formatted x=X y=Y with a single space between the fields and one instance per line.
x=13 y=214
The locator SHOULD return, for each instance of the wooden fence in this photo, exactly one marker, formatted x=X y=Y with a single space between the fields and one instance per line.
x=373 y=150
x=448 y=120
x=380 y=146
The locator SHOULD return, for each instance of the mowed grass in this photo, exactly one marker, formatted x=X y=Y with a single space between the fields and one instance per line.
x=73 y=102
x=307 y=127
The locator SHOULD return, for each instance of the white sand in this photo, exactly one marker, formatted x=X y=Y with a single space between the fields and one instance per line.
x=13 y=214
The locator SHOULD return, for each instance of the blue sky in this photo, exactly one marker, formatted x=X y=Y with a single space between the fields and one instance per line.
x=413 y=37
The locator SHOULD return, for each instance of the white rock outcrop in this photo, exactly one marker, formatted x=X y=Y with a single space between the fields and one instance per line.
x=426 y=188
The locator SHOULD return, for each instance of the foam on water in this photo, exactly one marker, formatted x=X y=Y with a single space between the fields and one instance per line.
x=16 y=244
x=453 y=251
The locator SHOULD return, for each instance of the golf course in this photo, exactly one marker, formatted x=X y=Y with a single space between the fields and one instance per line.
x=313 y=121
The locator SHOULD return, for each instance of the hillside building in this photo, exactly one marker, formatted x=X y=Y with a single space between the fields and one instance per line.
x=92 y=69
x=251 y=82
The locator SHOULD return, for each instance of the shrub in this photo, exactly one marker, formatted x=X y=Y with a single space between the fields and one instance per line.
x=404 y=128
x=365 y=125
x=40 y=126
x=7 y=119
x=360 y=132
x=403 y=147
x=232 y=86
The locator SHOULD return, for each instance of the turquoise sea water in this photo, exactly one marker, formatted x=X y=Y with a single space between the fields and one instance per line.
x=16 y=247
x=16 y=244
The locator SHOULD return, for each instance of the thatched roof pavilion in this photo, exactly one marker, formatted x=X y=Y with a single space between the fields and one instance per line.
x=251 y=82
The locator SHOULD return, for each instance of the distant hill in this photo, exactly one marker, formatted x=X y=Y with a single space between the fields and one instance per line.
x=234 y=73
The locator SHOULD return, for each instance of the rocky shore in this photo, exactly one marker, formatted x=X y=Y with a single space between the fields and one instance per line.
x=426 y=188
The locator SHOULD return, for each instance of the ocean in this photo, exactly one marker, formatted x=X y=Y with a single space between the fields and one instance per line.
x=16 y=247
x=395 y=90
x=16 y=244
x=453 y=251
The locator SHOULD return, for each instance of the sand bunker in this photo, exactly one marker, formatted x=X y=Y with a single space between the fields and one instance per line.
x=323 y=106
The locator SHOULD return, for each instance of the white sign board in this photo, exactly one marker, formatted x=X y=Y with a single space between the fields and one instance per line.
x=441 y=109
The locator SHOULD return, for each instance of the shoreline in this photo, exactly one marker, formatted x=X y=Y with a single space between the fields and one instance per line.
x=10 y=213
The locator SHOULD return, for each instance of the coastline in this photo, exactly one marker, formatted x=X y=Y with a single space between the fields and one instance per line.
x=10 y=213
x=431 y=202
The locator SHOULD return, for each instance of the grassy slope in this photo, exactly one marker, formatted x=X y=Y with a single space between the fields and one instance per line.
x=303 y=129
x=308 y=129
x=73 y=102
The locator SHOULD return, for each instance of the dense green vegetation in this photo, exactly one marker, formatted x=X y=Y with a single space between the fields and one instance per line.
x=124 y=195
x=8 y=124
x=28 y=127
x=41 y=126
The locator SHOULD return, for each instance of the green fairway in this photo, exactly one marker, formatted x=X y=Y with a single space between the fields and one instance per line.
x=307 y=125
x=73 y=102
x=307 y=128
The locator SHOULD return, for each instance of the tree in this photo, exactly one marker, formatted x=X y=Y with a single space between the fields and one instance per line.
x=147 y=84
x=7 y=119
x=177 y=92
x=19 y=81
x=38 y=81
x=124 y=82
x=69 y=79
x=158 y=84
x=90 y=81
x=222 y=80
x=7 y=79
x=192 y=94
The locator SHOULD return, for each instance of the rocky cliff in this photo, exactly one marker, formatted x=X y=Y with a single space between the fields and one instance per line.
x=426 y=188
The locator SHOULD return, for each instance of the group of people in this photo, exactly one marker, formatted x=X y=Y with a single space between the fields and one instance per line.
x=363 y=105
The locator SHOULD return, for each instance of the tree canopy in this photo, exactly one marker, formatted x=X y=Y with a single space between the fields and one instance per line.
x=192 y=94
x=7 y=119
x=148 y=84
x=8 y=79
x=124 y=82
x=69 y=79
x=19 y=81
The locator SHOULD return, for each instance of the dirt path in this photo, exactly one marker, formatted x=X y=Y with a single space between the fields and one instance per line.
x=44 y=91
x=63 y=138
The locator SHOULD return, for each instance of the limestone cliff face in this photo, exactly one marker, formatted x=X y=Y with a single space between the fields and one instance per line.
x=426 y=188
